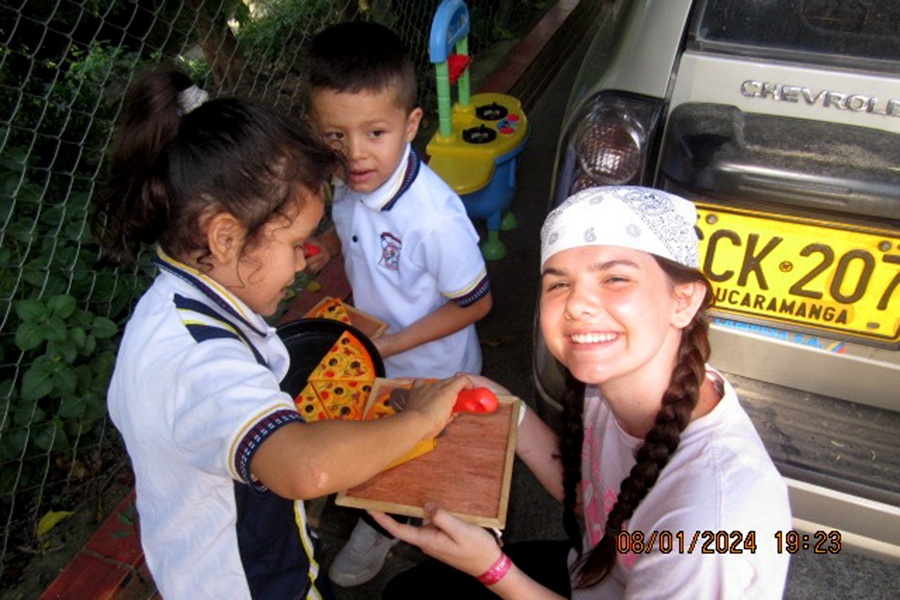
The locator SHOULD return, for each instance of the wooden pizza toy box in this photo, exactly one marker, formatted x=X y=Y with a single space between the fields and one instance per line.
x=370 y=326
x=468 y=472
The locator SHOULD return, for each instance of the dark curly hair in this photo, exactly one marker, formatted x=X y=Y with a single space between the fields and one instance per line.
x=170 y=170
x=653 y=454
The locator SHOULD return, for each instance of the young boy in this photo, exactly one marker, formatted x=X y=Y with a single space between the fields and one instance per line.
x=410 y=251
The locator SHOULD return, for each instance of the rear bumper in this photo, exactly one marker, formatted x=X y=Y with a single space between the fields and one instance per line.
x=867 y=527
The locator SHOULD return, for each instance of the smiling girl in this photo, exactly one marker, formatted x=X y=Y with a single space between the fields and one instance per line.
x=656 y=452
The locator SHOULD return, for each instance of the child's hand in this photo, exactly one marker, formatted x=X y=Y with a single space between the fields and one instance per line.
x=461 y=545
x=435 y=400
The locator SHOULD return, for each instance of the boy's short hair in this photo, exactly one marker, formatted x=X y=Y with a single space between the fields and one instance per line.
x=361 y=57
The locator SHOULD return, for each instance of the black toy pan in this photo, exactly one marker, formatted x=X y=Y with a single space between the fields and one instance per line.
x=307 y=342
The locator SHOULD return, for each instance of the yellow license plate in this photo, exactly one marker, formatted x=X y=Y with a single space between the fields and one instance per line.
x=813 y=275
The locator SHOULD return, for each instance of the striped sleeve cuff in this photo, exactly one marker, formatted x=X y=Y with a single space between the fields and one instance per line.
x=474 y=293
x=254 y=438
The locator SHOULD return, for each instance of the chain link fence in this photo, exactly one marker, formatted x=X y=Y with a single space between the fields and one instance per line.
x=64 y=66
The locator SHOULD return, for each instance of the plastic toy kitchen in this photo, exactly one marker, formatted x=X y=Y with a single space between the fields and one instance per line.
x=480 y=136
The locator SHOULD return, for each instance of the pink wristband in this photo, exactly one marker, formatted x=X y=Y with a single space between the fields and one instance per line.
x=497 y=571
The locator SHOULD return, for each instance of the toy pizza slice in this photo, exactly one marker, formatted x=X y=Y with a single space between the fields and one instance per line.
x=381 y=407
x=341 y=399
x=331 y=308
x=354 y=348
x=347 y=360
x=309 y=406
x=422 y=447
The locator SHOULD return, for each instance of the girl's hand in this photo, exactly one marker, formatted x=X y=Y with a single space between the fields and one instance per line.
x=435 y=400
x=461 y=545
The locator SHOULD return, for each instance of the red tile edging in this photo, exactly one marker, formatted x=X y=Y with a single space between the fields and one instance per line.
x=503 y=79
x=87 y=577
x=118 y=538
x=111 y=562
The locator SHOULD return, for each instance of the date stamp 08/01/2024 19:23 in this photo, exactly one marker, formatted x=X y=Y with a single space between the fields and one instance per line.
x=725 y=542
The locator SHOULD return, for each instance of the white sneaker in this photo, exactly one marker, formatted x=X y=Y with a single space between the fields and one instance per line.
x=362 y=556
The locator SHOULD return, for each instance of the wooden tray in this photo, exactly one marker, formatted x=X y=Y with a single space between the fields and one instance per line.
x=366 y=323
x=468 y=474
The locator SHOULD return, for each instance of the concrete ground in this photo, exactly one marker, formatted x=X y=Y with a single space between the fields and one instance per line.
x=506 y=340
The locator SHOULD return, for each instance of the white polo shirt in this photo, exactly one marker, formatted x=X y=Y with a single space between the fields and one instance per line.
x=409 y=247
x=194 y=393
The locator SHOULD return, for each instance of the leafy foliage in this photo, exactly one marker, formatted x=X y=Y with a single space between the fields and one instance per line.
x=65 y=313
x=278 y=24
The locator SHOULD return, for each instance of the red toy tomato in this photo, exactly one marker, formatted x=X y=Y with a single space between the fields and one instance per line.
x=478 y=400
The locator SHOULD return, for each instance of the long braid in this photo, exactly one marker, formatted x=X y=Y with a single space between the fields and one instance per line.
x=662 y=440
x=570 y=443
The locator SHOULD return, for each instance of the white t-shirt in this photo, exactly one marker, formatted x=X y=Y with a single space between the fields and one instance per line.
x=720 y=479
x=409 y=247
x=194 y=393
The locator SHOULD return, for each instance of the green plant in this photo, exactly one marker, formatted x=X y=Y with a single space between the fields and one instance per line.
x=65 y=313
x=280 y=24
x=197 y=68
x=62 y=392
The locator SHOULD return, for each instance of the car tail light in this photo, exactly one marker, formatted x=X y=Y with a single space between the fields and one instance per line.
x=610 y=143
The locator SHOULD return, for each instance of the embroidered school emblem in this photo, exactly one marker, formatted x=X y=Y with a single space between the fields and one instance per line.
x=390 y=252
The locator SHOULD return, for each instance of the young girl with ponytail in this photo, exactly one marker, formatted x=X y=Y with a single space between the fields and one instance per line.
x=227 y=190
x=655 y=453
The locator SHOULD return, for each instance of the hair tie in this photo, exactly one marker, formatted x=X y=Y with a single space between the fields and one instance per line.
x=190 y=98
x=497 y=571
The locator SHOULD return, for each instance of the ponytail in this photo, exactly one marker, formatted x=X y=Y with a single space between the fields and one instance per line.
x=661 y=441
x=177 y=162
x=136 y=208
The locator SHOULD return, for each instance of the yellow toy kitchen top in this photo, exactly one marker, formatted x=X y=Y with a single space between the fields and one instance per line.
x=490 y=127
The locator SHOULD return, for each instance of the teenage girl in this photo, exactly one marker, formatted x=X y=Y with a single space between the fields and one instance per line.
x=227 y=190
x=656 y=453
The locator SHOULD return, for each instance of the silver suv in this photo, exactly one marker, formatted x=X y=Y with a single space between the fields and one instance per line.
x=781 y=120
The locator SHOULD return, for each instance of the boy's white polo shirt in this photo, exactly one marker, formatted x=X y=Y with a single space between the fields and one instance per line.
x=194 y=393
x=409 y=247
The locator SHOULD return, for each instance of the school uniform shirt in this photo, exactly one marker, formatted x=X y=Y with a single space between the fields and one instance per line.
x=195 y=393
x=409 y=247
x=719 y=495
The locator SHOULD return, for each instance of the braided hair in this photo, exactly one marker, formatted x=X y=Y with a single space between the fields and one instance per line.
x=654 y=453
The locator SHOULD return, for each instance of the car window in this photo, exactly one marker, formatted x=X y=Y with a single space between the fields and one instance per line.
x=818 y=31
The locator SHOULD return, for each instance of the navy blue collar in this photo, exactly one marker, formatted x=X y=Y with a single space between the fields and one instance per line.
x=413 y=164
x=212 y=290
x=388 y=193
